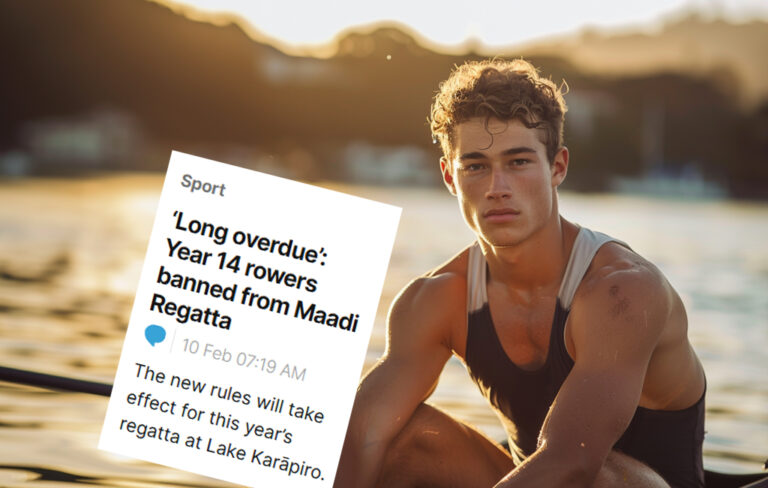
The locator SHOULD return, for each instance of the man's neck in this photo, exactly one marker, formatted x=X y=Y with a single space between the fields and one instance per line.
x=537 y=263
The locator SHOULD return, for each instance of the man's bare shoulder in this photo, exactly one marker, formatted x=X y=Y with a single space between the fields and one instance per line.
x=433 y=303
x=439 y=287
x=626 y=305
x=622 y=287
x=615 y=265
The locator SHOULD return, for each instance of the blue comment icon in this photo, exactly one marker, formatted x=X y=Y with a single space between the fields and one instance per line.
x=154 y=334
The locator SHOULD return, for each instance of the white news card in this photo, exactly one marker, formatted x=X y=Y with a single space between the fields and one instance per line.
x=249 y=327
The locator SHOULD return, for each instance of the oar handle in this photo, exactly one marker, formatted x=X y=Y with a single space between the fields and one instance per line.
x=43 y=380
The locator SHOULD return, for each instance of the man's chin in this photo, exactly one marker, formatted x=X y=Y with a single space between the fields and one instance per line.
x=502 y=241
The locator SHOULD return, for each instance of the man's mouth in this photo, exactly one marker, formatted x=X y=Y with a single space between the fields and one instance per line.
x=500 y=214
x=500 y=211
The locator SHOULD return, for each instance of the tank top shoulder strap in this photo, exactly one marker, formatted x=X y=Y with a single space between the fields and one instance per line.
x=587 y=243
x=476 y=291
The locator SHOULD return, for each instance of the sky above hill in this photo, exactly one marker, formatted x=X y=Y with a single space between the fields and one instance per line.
x=449 y=23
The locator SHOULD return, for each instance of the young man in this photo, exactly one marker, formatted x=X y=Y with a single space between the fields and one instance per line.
x=578 y=342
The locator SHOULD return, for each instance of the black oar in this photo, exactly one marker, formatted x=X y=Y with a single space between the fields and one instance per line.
x=43 y=380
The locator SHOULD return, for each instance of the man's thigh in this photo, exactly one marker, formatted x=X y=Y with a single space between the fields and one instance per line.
x=436 y=450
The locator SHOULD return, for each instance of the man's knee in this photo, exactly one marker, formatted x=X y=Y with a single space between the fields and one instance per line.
x=415 y=452
x=434 y=449
x=624 y=471
x=421 y=435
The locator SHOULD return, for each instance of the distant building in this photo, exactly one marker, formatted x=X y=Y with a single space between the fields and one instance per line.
x=280 y=69
x=386 y=165
x=584 y=108
x=104 y=139
x=15 y=164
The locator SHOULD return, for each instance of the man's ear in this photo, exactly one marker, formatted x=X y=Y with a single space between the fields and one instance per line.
x=445 y=169
x=560 y=166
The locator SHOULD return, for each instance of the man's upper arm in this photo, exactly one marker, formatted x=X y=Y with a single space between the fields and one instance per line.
x=418 y=345
x=615 y=327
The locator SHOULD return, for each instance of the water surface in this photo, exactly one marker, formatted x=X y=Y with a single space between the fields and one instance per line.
x=71 y=252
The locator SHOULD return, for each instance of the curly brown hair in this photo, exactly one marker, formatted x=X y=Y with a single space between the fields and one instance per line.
x=499 y=89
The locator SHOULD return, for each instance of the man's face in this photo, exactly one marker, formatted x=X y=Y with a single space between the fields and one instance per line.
x=503 y=180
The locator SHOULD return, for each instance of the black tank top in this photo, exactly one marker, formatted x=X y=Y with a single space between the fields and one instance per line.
x=668 y=441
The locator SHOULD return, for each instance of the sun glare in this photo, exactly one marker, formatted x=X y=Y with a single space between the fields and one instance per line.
x=304 y=25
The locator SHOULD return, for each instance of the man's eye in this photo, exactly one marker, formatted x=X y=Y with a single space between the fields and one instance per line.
x=520 y=162
x=473 y=167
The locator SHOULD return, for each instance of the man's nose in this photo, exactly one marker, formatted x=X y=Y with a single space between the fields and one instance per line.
x=498 y=187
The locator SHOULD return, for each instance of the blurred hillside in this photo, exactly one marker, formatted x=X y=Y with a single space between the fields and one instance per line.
x=94 y=85
x=730 y=54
